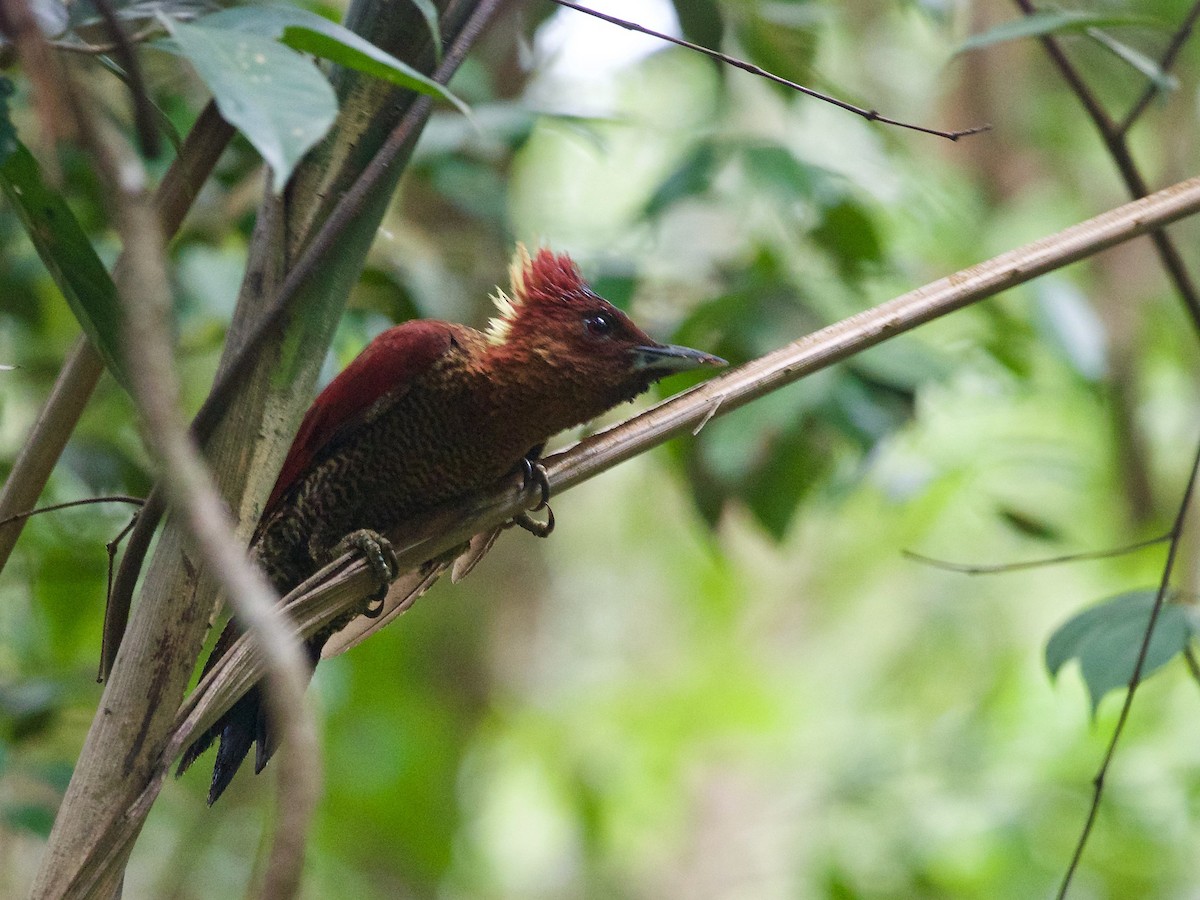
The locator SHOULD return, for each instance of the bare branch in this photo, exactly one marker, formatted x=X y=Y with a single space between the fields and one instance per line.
x=870 y=115
x=1178 y=39
x=1114 y=140
x=87 y=49
x=1192 y=663
x=126 y=55
x=86 y=501
x=1135 y=679
x=1000 y=568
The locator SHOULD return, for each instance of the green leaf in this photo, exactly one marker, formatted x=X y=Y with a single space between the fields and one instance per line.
x=429 y=12
x=777 y=172
x=792 y=464
x=781 y=38
x=701 y=21
x=865 y=409
x=693 y=177
x=306 y=31
x=1107 y=638
x=1135 y=59
x=275 y=96
x=848 y=235
x=1029 y=525
x=67 y=254
x=29 y=817
x=27 y=708
x=1048 y=22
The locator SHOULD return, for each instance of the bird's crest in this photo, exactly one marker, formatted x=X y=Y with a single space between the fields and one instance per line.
x=544 y=278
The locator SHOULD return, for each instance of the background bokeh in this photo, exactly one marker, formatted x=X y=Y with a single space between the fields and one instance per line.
x=719 y=678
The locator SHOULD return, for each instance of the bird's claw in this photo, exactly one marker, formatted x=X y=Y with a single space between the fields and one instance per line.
x=380 y=557
x=535 y=473
x=533 y=526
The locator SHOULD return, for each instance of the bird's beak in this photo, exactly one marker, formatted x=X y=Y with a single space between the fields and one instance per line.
x=664 y=359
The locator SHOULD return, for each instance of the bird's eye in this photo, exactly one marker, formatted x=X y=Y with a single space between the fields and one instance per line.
x=598 y=324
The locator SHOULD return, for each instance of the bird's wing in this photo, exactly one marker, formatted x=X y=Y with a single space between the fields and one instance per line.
x=387 y=367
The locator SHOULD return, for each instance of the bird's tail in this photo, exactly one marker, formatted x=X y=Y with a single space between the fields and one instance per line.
x=242 y=725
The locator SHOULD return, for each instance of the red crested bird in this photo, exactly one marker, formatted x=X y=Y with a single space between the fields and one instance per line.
x=428 y=413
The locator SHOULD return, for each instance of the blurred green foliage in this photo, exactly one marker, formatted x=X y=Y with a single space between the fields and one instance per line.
x=720 y=678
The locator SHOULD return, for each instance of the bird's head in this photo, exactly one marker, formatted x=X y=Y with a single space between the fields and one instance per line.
x=553 y=317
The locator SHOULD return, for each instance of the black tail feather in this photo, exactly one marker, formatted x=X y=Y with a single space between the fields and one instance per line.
x=243 y=725
x=239 y=729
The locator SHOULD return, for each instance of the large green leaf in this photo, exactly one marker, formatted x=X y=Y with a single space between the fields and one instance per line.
x=275 y=96
x=306 y=31
x=1106 y=639
x=1052 y=21
x=66 y=252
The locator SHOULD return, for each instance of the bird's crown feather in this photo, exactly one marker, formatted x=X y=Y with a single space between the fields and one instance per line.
x=539 y=279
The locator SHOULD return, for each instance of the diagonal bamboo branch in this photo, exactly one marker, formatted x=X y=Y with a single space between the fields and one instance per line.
x=342 y=585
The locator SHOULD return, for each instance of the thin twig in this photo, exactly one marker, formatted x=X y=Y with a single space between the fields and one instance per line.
x=87 y=49
x=1153 y=86
x=54 y=507
x=1134 y=679
x=969 y=569
x=49 y=435
x=870 y=115
x=110 y=550
x=1118 y=149
x=126 y=55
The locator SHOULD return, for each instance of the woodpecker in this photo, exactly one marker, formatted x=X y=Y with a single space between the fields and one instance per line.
x=430 y=412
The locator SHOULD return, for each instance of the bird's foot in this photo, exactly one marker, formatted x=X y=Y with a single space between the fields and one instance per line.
x=380 y=557
x=535 y=473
